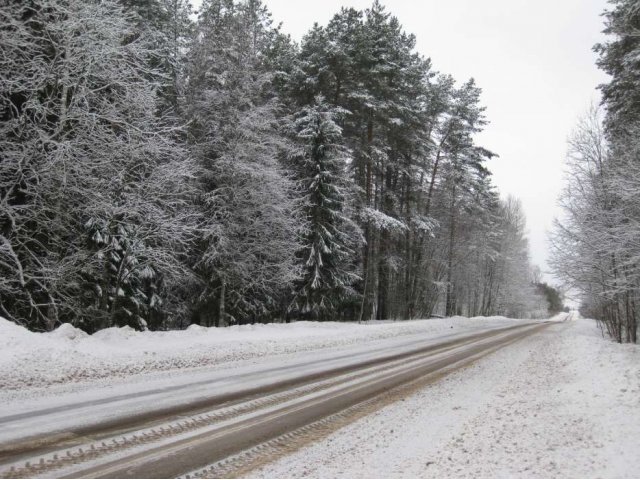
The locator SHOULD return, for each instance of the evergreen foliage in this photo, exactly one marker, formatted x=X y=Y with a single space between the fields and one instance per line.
x=553 y=297
x=332 y=237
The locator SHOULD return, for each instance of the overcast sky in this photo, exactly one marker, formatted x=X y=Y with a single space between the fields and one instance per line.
x=534 y=63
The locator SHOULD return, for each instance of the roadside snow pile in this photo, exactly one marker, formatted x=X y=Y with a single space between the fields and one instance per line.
x=67 y=354
x=12 y=334
x=68 y=332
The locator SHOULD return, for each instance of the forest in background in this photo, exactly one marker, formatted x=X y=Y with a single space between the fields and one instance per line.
x=158 y=171
x=595 y=245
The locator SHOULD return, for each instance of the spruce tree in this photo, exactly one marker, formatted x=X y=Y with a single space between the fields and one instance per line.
x=332 y=237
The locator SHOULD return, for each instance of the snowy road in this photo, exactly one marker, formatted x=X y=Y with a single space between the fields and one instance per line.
x=223 y=422
x=563 y=403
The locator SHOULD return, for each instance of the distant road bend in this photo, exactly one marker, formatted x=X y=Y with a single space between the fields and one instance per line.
x=224 y=424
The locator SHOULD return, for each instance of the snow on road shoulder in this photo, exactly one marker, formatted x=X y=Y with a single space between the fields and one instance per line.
x=562 y=403
x=67 y=355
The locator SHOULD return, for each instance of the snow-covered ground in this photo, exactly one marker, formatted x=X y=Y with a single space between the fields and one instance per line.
x=67 y=355
x=562 y=403
x=53 y=382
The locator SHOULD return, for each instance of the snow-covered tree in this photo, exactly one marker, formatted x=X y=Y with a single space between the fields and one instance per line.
x=332 y=238
x=168 y=25
x=251 y=219
x=619 y=56
x=156 y=171
x=517 y=296
x=85 y=163
x=364 y=62
x=594 y=244
x=595 y=248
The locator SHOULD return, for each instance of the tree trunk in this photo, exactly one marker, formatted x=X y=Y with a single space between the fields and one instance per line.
x=221 y=301
x=450 y=301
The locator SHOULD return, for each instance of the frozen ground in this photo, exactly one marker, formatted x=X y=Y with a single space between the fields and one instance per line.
x=563 y=403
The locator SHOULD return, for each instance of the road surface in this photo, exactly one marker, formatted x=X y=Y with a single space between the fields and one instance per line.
x=222 y=425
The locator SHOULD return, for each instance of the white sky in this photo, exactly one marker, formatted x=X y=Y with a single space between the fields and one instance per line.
x=534 y=63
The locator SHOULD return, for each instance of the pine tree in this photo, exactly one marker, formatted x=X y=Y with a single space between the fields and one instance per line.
x=364 y=63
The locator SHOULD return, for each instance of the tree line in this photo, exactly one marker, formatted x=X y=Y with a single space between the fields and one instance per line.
x=595 y=244
x=157 y=171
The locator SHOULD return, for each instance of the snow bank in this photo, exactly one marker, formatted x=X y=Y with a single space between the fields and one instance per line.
x=67 y=354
